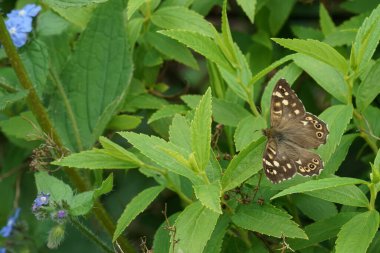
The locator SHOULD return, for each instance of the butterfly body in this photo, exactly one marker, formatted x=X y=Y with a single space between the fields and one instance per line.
x=292 y=133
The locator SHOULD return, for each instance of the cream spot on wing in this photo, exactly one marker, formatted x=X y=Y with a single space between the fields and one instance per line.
x=289 y=165
x=277 y=104
x=270 y=156
x=304 y=122
x=268 y=163
x=276 y=163
x=272 y=150
x=283 y=168
x=294 y=105
x=297 y=112
x=275 y=172
x=285 y=102
x=278 y=94
x=286 y=93
x=299 y=161
x=277 y=112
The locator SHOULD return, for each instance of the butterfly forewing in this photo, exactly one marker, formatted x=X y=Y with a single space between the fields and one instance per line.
x=293 y=131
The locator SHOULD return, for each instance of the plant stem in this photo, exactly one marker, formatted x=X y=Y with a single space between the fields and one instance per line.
x=90 y=235
x=373 y=195
x=38 y=110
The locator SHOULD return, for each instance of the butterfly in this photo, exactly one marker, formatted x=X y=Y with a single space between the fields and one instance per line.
x=292 y=132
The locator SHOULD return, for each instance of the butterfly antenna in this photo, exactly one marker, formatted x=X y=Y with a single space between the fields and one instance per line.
x=369 y=129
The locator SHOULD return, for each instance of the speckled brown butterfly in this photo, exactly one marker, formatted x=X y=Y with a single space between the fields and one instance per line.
x=292 y=132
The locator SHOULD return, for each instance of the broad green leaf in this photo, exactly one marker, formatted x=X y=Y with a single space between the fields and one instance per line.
x=244 y=165
x=320 y=184
x=248 y=130
x=194 y=227
x=321 y=230
x=339 y=155
x=200 y=44
x=94 y=159
x=49 y=24
x=134 y=27
x=314 y=208
x=179 y=133
x=228 y=113
x=340 y=38
x=73 y=3
x=162 y=237
x=137 y=205
x=317 y=50
x=348 y=195
x=267 y=220
x=172 y=49
x=10 y=98
x=209 y=195
x=369 y=88
x=154 y=147
x=36 y=61
x=192 y=100
x=290 y=72
x=214 y=245
x=92 y=90
x=144 y=101
x=201 y=131
x=331 y=80
x=336 y=128
x=279 y=11
x=81 y=203
x=167 y=111
x=181 y=18
x=133 y=6
x=77 y=16
x=375 y=245
x=213 y=169
x=305 y=32
x=24 y=127
x=357 y=234
x=105 y=187
x=359 y=6
x=124 y=122
x=326 y=23
x=366 y=41
x=57 y=189
x=248 y=7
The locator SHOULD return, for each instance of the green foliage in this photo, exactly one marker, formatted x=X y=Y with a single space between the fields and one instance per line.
x=133 y=71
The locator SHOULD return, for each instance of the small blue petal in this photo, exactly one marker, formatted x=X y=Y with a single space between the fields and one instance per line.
x=3 y=250
x=41 y=200
x=7 y=229
x=32 y=10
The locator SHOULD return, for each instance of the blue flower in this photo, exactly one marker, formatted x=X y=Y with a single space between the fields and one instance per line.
x=61 y=214
x=18 y=29
x=3 y=250
x=7 y=229
x=41 y=200
x=29 y=11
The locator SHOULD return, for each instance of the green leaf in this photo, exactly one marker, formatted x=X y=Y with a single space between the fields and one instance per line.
x=133 y=6
x=267 y=220
x=179 y=133
x=94 y=159
x=332 y=80
x=200 y=44
x=209 y=195
x=314 y=208
x=10 y=98
x=305 y=32
x=153 y=148
x=124 y=122
x=366 y=41
x=144 y=101
x=228 y=113
x=113 y=149
x=57 y=189
x=81 y=203
x=339 y=155
x=201 y=131
x=167 y=111
x=137 y=205
x=73 y=3
x=248 y=130
x=35 y=58
x=279 y=12
x=77 y=16
x=172 y=49
x=23 y=127
x=317 y=50
x=326 y=23
x=213 y=169
x=214 y=245
x=375 y=245
x=321 y=230
x=320 y=184
x=348 y=195
x=181 y=18
x=105 y=187
x=194 y=227
x=357 y=234
x=336 y=128
x=244 y=165
x=369 y=88
x=93 y=89
x=248 y=7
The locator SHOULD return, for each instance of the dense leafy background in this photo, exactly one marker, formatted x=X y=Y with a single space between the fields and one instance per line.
x=157 y=108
